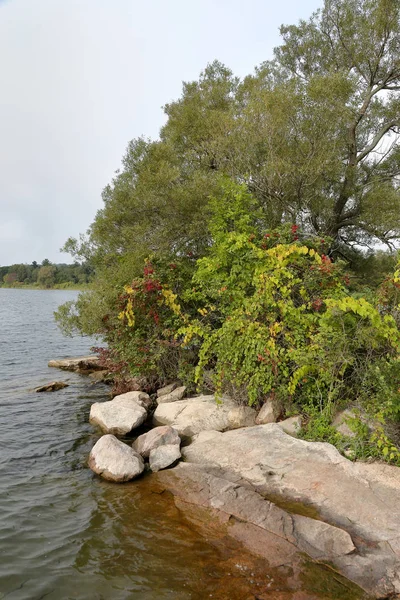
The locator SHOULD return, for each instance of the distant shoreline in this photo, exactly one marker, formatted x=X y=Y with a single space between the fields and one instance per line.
x=77 y=287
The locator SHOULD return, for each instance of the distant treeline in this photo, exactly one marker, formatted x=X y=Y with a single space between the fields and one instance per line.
x=46 y=275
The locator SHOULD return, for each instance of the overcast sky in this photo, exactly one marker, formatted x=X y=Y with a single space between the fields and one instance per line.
x=80 y=78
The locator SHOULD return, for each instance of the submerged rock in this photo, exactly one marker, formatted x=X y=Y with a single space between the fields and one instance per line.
x=164 y=456
x=115 y=461
x=120 y=415
x=159 y=436
x=313 y=479
x=193 y=415
x=54 y=386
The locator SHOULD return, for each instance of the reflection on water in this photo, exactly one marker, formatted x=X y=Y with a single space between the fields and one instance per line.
x=66 y=534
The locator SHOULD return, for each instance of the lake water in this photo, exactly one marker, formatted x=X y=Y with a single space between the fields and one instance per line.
x=65 y=533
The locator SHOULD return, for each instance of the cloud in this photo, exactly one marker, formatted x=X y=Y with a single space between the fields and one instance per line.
x=81 y=79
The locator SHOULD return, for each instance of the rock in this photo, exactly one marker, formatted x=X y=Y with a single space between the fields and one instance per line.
x=140 y=398
x=118 y=416
x=167 y=389
x=164 y=456
x=214 y=489
x=321 y=540
x=174 y=396
x=292 y=425
x=341 y=425
x=193 y=415
x=314 y=479
x=268 y=414
x=159 y=436
x=99 y=375
x=260 y=526
x=52 y=387
x=115 y=461
x=83 y=364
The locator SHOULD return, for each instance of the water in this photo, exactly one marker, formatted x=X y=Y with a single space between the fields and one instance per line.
x=65 y=533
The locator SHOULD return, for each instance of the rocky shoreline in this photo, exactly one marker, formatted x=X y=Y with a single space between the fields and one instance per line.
x=283 y=497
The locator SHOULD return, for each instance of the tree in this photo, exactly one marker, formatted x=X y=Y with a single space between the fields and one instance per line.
x=46 y=276
x=344 y=65
x=313 y=134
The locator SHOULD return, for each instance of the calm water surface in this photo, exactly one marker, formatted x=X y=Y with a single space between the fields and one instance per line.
x=66 y=534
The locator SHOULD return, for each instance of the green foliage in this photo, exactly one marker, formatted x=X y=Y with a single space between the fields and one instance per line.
x=255 y=192
x=276 y=316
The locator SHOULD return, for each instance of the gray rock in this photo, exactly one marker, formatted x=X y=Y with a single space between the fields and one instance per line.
x=82 y=364
x=360 y=498
x=159 y=436
x=140 y=398
x=118 y=416
x=174 y=396
x=164 y=456
x=321 y=540
x=341 y=422
x=115 y=461
x=167 y=389
x=268 y=414
x=54 y=386
x=193 y=415
x=292 y=425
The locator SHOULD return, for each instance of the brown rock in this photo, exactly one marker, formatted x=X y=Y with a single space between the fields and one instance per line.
x=52 y=387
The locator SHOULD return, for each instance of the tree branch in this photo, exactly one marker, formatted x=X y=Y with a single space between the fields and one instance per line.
x=385 y=129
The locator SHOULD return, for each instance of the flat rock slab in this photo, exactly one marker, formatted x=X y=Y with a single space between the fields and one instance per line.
x=164 y=456
x=159 y=436
x=54 y=386
x=118 y=416
x=115 y=461
x=82 y=364
x=360 y=499
x=202 y=413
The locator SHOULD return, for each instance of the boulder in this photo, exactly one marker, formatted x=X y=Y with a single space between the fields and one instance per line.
x=193 y=415
x=99 y=376
x=159 y=436
x=164 y=456
x=269 y=413
x=173 y=396
x=54 y=386
x=140 y=398
x=340 y=423
x=118 y=416
x=82 y=364
x=312 y=479
x=167 y=389
x=292 y=425
x=115 y=461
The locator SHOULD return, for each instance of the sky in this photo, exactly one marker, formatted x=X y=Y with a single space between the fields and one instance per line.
x=80 y=78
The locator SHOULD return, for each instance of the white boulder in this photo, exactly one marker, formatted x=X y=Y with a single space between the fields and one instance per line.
x=115 y=461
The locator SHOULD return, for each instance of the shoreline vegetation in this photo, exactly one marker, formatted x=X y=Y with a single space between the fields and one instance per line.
x=47 y=275
x=241 y=252
x=61 y=286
